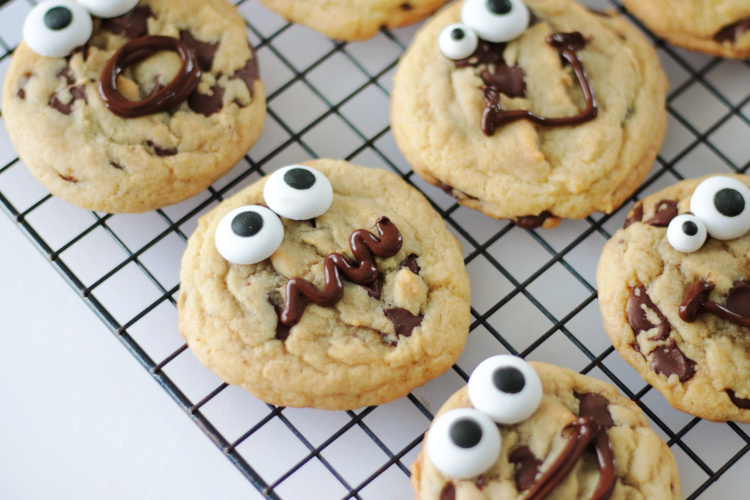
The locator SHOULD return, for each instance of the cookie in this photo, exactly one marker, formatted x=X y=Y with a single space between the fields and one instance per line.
x=717 y=27
x=532 y=112
x=353 y=20
x=354 y=294
x=673 y=292
x=539 y=431
x=107 y=132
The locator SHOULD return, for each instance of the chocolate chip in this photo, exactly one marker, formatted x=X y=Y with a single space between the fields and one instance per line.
x=450 y=190
x=411 y=264
x=68 y=178
x=160 y=150
x=738 y=298
x=248 y=74
x=670 y=360
x=595 y=406
x=635 y=216
x=77 y=92
x=403 y=321
x=207 y=105
x=375 y=289
x=528 y=467
x=486 y=53
x=532 y=221
x=637 y=315
x=117 y=165
x=738 y=402
x=134 y=24
x=731 y=32
x=204 y=51
x=509 y=80
x=405 y=6
x=448 y=492
x=666 y=210
x=65 y=73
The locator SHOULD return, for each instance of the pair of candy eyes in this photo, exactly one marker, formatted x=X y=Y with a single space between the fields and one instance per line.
x=250 y=234
x=465 y=442
x=720 y=207
x=55 y=28
x=490 y=20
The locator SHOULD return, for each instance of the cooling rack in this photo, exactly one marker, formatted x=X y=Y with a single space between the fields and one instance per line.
x=331 y=99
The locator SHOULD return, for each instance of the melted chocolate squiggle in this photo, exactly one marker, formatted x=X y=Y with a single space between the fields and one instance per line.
x=567 y=44
x=737 y=309
x=173 y=94
x=364 y=245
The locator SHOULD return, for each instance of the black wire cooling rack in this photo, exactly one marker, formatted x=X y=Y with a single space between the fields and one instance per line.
x=330 y=99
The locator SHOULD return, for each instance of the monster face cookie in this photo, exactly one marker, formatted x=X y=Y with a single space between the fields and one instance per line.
x=674 y=291
x=718 y=27
x=536 y=431
x=531 y=111
x=127 y=106
x=325 y=285
x=353 y=19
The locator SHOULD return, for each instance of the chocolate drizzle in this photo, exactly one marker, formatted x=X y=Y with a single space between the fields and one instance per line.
x=567 y=44
x=729 y=34
x=589 y=430
x=528 y=467
x=365 y=246
x=176 y=92
x=403 y=321
x=77 y=92
x=736 y=310
x=666 y=210
x=282 y=330
x=532 y=221
x=637 y=314
x=134 y=24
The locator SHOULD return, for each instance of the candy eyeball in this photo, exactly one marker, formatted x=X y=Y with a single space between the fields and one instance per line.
x=506 y=388
x=686 y=233
x=55 y=28
x=463 y=443
x=108 y=8
x=723 y=204
x=496 y=20
x=249 y=234
x=457 y=41
x=298 y=192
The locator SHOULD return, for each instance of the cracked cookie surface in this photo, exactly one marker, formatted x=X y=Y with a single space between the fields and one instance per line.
x=87 y=155
x=644 y=465
x=717 y=27
x=702 y=367
x=357 y=352
x=526 y=169
x=353 y=19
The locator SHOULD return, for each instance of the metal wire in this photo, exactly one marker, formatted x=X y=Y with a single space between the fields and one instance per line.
x=374 y=144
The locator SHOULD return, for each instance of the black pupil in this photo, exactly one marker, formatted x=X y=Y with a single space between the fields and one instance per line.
x=58 y=18
x=457 y=34
x=509 y=380
x=499 y=6
x=299 y=178
x=247 y=224
x=690 y=228
x=729 y=202
x=465 y=433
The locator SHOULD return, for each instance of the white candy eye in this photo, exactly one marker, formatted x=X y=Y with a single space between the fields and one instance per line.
x=249 y=234
x=723 y=204
x=108 y=8
x=686 y=233
x=55 y=28
x=457 y=41
x=463 y=443
x=496 y=20
x=298 y=192
x=506 y=388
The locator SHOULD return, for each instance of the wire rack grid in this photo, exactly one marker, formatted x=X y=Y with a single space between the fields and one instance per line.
x=331 y=99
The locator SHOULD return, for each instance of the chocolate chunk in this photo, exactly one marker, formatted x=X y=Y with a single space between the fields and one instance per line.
x=666 y=210
x=77 y=92
x=693 y=301
x=509 y=80
x=117 y=165
x=448 y=492
x=670 y=360
x=738 y=402
x=738 y=299
x=637 y=315
x=528 y=467
x=68 y=178
x=204 y=51
x=730 y=33
x=65 y=73
x=403 y=321
x=134 y=24
x=375 y=289
x=248 y=74
x=411 y=263
x=486 y=53
x=451 y=191
x=207 y=104
x=21 y=93
x=532 y=221
x=161 y=151
x=282 y=330
x=595 y=406
x=636 y=216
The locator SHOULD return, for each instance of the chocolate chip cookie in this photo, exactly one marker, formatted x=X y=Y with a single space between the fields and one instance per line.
x=534 y=430
x=531 y=111
x=140 y=108
x=353 y=19
x=325 y=285
x=674 y=291
x=718 y=27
